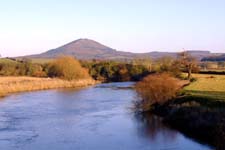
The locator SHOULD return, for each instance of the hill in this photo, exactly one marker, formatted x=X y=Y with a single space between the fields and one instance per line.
x=85 y=49
x=89 y=49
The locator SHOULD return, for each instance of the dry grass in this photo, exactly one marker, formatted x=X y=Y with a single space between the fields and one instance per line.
x=20 y=84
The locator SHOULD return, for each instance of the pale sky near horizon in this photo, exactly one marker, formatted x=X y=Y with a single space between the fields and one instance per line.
x=35 y=26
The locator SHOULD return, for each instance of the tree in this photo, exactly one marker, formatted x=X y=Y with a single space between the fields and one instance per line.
x=187 y=62
x=164 y=64
x=169 y=65
x=146 y=62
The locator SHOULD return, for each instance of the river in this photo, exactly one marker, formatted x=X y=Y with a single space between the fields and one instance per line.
x=94 y=118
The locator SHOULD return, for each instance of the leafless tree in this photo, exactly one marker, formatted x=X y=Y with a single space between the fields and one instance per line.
x=188 y=62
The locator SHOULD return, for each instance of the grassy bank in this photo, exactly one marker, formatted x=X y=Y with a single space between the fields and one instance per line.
x=207 y=86
x=21 y=84
x=198 y=110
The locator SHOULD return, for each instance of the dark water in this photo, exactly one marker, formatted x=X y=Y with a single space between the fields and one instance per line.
x=94 y=118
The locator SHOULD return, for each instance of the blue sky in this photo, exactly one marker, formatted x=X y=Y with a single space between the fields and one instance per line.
x=34 y=26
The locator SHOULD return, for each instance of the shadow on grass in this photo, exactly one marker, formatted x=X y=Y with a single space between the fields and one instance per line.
x=216 y=95
x=210 y=99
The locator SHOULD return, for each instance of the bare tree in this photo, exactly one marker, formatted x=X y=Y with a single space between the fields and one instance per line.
x=188 y=62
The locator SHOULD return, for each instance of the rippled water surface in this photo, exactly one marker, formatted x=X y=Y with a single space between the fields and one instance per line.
x=93 y=118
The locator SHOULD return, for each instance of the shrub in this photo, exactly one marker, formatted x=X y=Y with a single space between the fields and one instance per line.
x=21 y=68
x=68 y=68
x=193 y=79
x=156 y=89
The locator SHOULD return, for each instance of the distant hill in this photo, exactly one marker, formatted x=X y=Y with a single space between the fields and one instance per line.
x=198 y=54
x=85 y=49
x=89 y=49
x=214 y=58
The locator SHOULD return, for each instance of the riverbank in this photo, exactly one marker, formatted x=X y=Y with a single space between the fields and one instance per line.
x=196 y=117
x=22 y=84
x=198 y=111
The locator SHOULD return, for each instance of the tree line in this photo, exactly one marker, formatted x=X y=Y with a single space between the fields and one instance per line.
x=70 y=68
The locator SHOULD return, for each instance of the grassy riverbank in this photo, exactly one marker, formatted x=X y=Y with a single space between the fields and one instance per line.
x=20 y=84
x=208 y=86
x=198 y=110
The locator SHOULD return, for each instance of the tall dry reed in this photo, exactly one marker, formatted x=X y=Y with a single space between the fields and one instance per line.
x=20 y=84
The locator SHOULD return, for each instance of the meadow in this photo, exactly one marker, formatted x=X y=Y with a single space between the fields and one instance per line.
x=208 y=86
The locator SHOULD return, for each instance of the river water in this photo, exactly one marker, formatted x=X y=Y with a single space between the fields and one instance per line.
x=93 y=118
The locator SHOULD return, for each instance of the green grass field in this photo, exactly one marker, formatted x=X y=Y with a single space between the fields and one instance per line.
x=209 y=86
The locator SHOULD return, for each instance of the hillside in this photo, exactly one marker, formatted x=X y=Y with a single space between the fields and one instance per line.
x=85 y=49
x=89 y=49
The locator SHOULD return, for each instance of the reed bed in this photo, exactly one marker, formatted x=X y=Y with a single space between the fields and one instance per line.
x=21 y=84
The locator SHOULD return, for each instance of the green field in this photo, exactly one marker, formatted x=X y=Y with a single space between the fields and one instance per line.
x=209 y=86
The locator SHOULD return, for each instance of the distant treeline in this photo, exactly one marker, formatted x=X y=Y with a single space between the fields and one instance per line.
x=111 y=71
x=212 y=65
x=214 y=58
x=105 y=70
x=136 y=69
x=69 y=68
x=11 y=67
x=65 y=67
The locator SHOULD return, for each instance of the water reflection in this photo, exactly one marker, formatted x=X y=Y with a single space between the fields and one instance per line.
x=151 y=127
